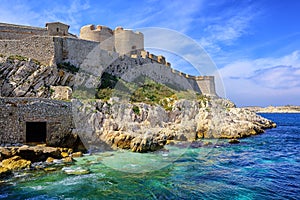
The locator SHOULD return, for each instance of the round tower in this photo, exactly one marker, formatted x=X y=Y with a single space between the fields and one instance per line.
x=102 y=34
x=128 y=42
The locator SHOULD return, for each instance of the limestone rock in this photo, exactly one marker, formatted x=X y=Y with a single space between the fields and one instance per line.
x=118 y=126
x=61 y=92
x=38 y=153
x=64 y=154
x=15 y=163
x=5 y=153
x=4 y=172
x=29 y=79
x=76 y=154
x=67 y=160
x=50 y=160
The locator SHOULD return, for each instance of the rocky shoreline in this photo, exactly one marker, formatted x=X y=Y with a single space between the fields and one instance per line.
x=274 y=109
x=117 y=124
x=141 y=127
x=39 y=157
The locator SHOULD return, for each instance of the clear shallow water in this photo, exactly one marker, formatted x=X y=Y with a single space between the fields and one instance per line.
x=266 y=166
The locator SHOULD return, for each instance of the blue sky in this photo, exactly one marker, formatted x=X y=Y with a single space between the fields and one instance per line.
x=254 y=44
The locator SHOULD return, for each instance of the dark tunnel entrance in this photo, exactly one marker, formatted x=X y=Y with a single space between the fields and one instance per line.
x=36 y=132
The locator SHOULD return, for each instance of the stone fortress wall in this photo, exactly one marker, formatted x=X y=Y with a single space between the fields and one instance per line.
x=53 y=45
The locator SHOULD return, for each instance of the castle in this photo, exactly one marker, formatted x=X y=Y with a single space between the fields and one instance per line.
x=98 y=49
x=54 y=44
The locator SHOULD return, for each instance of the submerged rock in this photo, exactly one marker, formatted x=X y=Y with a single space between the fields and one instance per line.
x=75 y=171
x=233 y=141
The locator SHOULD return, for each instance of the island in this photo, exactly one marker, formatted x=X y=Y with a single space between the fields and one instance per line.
x=102 y=91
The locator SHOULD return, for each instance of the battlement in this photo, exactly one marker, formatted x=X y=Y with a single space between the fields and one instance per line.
x=159 y=59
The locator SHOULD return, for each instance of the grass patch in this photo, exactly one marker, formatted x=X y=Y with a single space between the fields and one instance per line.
x=84 y=93
x=151 y=92
x=23 y=58
x=17 y=57
x=143 y=90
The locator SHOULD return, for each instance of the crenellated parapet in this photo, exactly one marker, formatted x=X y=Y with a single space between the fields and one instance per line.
x=205 y=84
x=159 y=59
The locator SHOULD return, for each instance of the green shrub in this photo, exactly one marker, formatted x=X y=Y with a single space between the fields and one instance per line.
x=104 y=94
x=151 y=92
x=136 y=110
x=68 y=67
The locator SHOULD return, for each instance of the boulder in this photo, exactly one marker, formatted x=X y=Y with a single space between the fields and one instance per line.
x=4 y=172
x=15 y=163
x=67 y=160
x=5 y=153
x=50 y=160
x=38 y=153
x=64 y=154
x=77 y=154
x=61 y=93
x=233 y=141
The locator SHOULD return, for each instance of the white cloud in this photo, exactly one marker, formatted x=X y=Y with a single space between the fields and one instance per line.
x=22 y=12
x=264 y=81
x=226 y=27
x=177 y=15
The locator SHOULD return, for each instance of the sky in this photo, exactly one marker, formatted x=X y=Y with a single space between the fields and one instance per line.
x=255 y=45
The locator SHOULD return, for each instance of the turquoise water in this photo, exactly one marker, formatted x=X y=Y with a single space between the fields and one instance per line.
x=266 y=166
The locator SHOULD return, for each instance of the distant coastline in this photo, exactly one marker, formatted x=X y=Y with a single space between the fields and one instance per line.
x=275 y=109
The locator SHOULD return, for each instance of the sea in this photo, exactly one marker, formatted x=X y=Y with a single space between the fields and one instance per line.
x=265 y=166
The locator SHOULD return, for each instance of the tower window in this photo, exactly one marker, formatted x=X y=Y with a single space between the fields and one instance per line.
x=57 y=29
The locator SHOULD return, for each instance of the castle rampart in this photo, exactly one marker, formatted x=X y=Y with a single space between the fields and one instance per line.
x=41 y=48
x=19 y=32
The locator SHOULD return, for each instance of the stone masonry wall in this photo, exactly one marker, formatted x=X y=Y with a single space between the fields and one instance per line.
x=15 y=112
x=131 y=68
x=18 y=32
x=36 y=47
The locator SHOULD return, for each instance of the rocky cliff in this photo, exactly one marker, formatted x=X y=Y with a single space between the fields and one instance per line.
x=23 y=77
x=142 y=127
